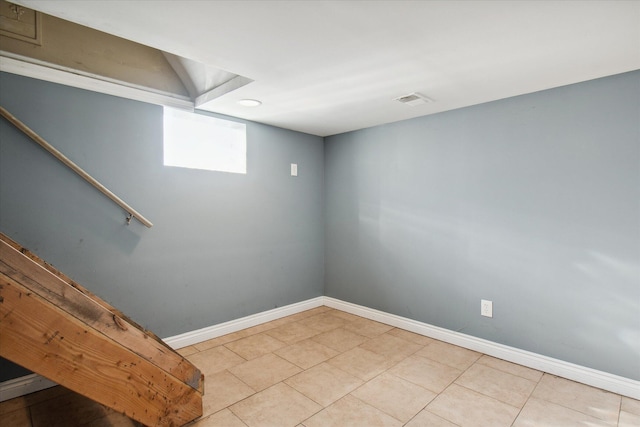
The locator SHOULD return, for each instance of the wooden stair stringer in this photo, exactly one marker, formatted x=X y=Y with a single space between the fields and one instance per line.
x=26 y=252
x=76 y=339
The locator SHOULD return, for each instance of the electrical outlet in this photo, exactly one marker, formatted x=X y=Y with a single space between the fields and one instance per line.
x=294 y=169
x=486 y=308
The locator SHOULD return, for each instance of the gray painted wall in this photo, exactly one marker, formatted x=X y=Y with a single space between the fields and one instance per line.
x=223 y=246
x=532 y=202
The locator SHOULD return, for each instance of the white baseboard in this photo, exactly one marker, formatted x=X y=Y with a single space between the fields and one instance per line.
x=588 y=376
x=204 y=334
x=616 y=384
x=23 y=385
x=33 y=382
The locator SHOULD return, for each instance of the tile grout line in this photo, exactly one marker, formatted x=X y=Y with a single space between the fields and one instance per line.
x=527 y=401
x=578 y=410
x=449 y=385
x=325 y=361
x=386 y=370
x=476 y=361
x=400 y=378
x=349 y=393
x=322 y=407
x=492 y=397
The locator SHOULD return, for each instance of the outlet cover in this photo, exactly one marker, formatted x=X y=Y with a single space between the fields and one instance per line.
x=486 y=308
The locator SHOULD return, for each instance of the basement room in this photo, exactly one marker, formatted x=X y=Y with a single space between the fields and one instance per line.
x=319 y=213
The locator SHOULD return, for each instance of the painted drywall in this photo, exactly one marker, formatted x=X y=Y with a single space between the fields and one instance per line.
x=223 y=245
x=532 y=202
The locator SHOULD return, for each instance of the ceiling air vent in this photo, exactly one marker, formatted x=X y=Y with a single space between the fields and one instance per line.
x=414 y=99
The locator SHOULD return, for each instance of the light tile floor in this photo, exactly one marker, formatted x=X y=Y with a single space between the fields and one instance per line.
x=325 y=367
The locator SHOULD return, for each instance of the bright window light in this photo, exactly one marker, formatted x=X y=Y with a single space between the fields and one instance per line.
x=197 y=141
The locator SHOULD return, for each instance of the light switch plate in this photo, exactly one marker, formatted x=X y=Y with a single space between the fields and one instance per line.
x=294 y=169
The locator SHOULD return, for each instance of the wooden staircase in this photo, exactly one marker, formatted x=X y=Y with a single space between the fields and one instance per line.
x=54 y=327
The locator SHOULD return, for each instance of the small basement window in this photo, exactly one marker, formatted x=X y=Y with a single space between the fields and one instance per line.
x=198 y=141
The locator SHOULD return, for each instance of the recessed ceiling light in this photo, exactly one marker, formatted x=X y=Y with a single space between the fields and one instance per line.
x=250 y=102
x=414 y=99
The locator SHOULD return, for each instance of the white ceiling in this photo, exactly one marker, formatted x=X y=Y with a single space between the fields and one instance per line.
x=327 y=67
